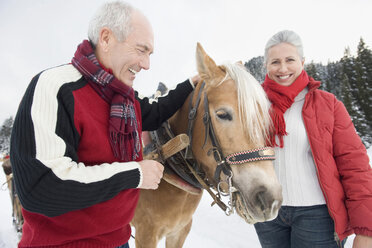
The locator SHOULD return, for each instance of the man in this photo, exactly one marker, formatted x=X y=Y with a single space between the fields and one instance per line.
x=76 y=143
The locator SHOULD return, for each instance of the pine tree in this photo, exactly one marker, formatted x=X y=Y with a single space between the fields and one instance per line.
x=334 y=78
x=319 y=73
x=348 y=99
x=363 y=65
x=352 y=69
x=311 y=70
x=256 y=67
x=5 y=132
x=348 y=69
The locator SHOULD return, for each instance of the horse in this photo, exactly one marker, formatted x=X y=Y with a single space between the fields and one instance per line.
x=16 y=204
x=228 y=122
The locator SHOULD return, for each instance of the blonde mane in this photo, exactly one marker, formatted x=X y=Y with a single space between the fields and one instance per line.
x=259 y=194
x=253 y=103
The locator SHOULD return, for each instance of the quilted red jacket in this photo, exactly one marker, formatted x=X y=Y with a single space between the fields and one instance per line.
x=342 y=163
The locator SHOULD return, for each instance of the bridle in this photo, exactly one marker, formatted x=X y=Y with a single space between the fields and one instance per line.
x=224 y=163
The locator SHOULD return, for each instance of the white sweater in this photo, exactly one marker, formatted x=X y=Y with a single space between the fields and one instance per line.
x=294 y=164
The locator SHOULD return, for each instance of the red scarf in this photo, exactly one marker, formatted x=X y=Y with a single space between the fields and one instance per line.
x=123 y=127
x=282 y=98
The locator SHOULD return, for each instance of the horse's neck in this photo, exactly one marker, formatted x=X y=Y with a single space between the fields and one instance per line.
x=179 y=121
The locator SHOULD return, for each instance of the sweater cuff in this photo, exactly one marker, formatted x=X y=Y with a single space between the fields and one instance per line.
x=140 y=176
x=192 y=84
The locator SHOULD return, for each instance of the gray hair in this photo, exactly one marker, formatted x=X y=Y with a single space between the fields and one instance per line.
x=285 y=36
x=114 y=15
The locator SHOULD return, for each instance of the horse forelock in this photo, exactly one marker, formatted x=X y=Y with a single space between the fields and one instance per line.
x=253 y=103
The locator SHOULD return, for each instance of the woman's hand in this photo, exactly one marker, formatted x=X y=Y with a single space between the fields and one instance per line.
x=362 y=241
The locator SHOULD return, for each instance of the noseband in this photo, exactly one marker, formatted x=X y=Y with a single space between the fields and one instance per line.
x=223 y=163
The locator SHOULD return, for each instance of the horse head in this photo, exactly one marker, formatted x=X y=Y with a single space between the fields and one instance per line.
x=228 y=137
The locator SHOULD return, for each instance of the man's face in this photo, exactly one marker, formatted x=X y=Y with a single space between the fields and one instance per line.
x=129 y=57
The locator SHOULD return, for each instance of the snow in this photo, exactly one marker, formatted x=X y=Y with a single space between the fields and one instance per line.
x=211 y=227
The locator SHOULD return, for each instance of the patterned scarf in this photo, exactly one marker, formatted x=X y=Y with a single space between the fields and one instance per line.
x=282 y=98
x=123 y=127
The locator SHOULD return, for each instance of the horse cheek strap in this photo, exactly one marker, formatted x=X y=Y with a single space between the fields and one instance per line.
x=223 y=163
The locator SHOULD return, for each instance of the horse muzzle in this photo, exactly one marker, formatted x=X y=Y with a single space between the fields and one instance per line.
x=261 y=204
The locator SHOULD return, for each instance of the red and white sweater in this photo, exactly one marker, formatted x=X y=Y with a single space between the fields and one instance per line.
x=74 y=192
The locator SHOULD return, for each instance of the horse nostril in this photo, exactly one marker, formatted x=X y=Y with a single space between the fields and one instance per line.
x=266 y=202
x=261 y=200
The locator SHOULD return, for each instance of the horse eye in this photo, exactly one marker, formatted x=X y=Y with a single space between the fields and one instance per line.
x=223 y=115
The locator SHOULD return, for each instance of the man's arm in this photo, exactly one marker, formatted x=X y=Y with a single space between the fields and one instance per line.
x=49 y=178
x=156 y=112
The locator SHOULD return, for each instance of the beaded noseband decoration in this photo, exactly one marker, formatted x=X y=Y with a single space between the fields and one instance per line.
x=263 y=153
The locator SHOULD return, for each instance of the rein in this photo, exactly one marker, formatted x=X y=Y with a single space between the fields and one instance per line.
x=223 y=163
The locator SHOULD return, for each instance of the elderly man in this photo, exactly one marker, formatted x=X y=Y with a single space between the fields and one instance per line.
x=76 y=143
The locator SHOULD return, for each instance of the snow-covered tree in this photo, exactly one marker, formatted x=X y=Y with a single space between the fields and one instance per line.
x=352 y=69
x=363 y=67
x=256 y=67
x=5 y=132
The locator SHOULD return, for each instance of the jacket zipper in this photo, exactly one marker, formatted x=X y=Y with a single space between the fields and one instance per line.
x=336 y=237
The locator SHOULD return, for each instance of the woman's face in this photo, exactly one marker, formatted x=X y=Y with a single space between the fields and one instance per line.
x=284 y=64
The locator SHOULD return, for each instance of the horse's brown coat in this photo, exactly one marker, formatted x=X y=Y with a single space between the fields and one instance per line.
x=167 y=211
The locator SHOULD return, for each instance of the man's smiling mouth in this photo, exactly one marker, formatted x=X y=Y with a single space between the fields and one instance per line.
x=133 y=71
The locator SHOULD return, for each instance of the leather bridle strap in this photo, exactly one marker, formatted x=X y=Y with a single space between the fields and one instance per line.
x=191 y=117
x=216 y=198
x=224 y=163
x=258 y=154
x=209 y=132
x=263 y=153
x=216 y=150
x=188 y=153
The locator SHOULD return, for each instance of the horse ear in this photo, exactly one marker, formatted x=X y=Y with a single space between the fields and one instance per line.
x=207 y=68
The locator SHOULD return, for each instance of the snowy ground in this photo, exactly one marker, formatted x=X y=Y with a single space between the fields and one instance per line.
x=211 y=228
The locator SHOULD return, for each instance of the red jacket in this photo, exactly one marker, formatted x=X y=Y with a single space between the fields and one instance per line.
x=342 y=163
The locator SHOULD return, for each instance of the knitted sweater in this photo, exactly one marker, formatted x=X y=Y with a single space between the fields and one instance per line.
x=294 y=163
x=74 y=192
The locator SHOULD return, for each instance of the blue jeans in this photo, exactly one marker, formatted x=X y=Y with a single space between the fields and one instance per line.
x=124 y=246
x=299 y=227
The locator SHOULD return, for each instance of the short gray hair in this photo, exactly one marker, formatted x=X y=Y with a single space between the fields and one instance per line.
x=113 y=15
x=285 y=36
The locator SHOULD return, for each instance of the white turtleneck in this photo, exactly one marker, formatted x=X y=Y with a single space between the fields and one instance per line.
x=294 y=164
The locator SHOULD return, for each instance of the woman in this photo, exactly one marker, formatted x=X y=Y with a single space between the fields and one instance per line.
x=321 y=162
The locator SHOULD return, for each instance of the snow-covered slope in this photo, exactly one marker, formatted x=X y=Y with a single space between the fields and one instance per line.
x=211 y=227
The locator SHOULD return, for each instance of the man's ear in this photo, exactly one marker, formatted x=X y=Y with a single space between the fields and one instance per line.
x=104 y=38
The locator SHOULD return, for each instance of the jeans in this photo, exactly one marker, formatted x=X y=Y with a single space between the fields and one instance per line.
x=299 y=227
x=124 y=246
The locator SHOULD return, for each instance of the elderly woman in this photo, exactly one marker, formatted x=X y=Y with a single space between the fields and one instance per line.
x=321 y=162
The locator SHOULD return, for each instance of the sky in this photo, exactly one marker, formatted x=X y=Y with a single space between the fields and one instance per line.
x=39 y=34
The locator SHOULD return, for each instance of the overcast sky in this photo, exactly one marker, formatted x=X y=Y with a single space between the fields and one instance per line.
x=39 y=34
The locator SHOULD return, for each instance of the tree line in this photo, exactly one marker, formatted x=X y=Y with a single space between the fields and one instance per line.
x=349 y=79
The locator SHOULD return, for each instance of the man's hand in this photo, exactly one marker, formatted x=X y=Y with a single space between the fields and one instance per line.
x=152 y=172
x=195 y=79
x=361 y=241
